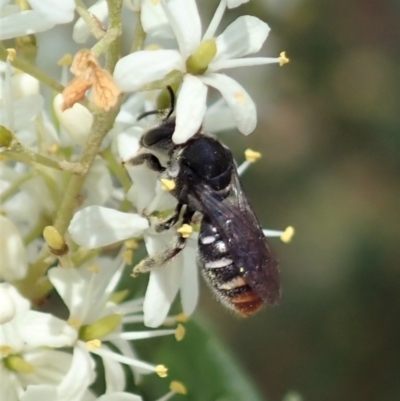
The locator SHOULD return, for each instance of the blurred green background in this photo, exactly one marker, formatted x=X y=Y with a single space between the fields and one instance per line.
x=329 y=132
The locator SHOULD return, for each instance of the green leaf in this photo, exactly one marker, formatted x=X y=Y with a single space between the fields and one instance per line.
x=204 y=365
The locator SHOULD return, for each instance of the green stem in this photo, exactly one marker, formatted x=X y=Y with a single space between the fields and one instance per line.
x=93 y=25
x=102 y=123
x=37 y=230
x=27 y=67
x=17 y=152
x=139 y=35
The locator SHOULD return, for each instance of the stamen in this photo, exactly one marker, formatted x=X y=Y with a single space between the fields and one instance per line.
x=93 y=345
x=131 y=244
x=55 y=241
x=251 y=155
x=141 y=335
x=185 y=230
x=180 y=318
x=283 y=59
x=162 y=371
x=127 y=256
x=93 y=269
x=178 y=387
x=65 y=61
x=75 y=323
x=11 y=53
x=287 y=235
x=167 y=185
x=180 y=332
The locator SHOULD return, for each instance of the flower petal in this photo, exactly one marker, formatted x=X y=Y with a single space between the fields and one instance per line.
x=8 y=307
x=114 y=375
x=190 y=282
x=42 y=329
x=163 y=284
x=154 y=20
x=185 y=20
x=236 y=3
x=97 y=226
x=14 y=264
x=71 y=287
x=25 y=110
x=119 y=396
x=129 y=142
x=40 y=392
x=81 y=32
x=243 y=36
x=190 y=108
x=77 y=120
x=140 y=68
x=80 y=376
x=23 y=23
x=55 y=11
x=243 y=109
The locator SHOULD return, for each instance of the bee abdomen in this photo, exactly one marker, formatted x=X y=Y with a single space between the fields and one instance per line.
x=233 y=290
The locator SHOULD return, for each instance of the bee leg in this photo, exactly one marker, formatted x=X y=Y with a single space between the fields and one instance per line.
x=149 y=159
x=171 y=220
x=161 y=259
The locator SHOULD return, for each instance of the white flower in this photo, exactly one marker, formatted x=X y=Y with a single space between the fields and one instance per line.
x=45 y=14
x=86 y=293
x=26 y=340
x=14 y=264
x=244 y=36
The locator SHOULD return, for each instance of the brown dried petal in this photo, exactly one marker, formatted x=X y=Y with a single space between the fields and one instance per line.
x=83 y=61
x=75 y=91
x=105 y=90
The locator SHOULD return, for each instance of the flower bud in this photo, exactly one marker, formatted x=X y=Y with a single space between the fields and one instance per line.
x=6 y=137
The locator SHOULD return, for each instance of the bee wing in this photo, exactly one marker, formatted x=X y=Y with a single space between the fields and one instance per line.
x=243 y=236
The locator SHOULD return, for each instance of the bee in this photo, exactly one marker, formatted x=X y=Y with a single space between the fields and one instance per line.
x=235 y=258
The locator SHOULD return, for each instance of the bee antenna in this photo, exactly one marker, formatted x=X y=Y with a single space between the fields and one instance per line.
x=172 y=102
x=171 y=107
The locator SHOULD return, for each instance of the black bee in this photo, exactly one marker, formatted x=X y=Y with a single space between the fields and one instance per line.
x=234 y=256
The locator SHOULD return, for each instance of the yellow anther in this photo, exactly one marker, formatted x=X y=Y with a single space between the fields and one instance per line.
x=185 y=230
x=161 y=370
x=131 y=244
x=283 y=59
x=54 y=148
x=65 y=60
x=94 y=269
x=75 y=323
x=127 y=256
x=239 y=96
x=93 y=344
x=181 y=318
x=167 y=185
x=5 y=350
x=178 y=387
x=287 y=235
x=11 y=53
x=155 y=1
x=55 y=241
x=251 y=155
x=153 y=47
x=180 y=332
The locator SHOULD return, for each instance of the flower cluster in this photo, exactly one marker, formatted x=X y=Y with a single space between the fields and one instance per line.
x=73 y=211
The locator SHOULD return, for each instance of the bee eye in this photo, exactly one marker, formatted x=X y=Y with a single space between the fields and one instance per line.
x=159 y=137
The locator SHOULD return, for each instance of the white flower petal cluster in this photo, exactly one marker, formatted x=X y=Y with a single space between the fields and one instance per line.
x=44 y=15
x=244 y=36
